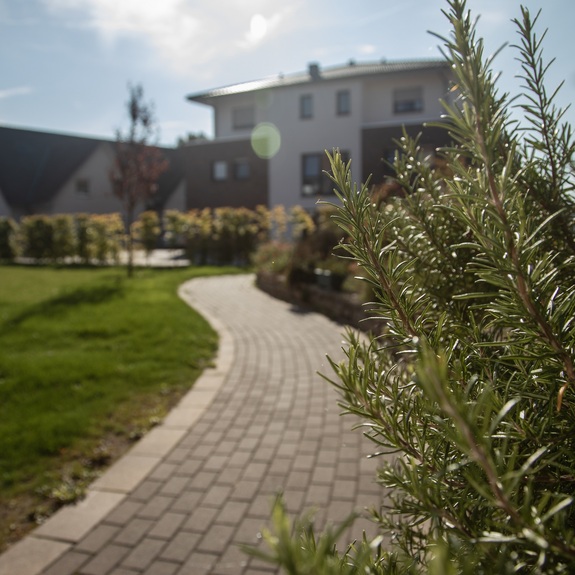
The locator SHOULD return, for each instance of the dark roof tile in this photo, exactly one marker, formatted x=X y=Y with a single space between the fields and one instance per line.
x=35 y=165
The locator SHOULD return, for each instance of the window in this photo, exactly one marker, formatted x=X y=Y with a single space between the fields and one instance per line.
x=408 y=100
x=306 y=106
x=315 y=182
x=389 y=155
x=241 y=169
x=82 y=186
x=343 y=103
x=311 y=175
x=220 y=171
x=243 y=118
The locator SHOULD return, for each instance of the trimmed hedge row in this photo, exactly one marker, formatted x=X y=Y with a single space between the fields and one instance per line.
x=209 y=236
x=62 y=238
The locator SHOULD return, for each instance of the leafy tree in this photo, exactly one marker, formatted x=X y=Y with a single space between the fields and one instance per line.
x=471 y=388
x=138 y=163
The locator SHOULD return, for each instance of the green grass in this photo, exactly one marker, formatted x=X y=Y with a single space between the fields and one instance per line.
x=87 y=354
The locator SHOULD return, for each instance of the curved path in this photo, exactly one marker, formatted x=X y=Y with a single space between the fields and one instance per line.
x=261 y=421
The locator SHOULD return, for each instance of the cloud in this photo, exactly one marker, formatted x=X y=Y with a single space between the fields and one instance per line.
x=11 y=92
x=367 y=49
x=184 y=35
x=260 y=28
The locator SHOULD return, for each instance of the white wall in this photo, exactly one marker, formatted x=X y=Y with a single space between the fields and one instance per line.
x=99 y=199
x=223 y=118
x=372 y=101
x=378 y=97
x=324 y=131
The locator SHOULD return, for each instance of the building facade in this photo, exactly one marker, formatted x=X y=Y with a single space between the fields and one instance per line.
x=360 y=109
x=224 y=172
x=270 y=138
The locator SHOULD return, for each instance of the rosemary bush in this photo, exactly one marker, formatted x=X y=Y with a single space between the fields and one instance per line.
x=472 y=384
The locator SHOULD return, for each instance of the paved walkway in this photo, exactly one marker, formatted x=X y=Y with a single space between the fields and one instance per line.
x=261 y=421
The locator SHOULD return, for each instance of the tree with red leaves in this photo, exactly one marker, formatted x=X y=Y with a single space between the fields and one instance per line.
x=138 y=164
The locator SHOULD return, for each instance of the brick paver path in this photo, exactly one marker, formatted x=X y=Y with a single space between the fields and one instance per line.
x=272 y=424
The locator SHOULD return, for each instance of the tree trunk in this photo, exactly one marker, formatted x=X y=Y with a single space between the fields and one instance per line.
x=130 y=244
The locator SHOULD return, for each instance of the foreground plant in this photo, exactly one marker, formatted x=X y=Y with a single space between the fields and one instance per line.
x=471 y=388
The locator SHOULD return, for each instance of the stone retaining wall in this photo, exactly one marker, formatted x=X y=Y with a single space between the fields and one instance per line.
x=339 y=306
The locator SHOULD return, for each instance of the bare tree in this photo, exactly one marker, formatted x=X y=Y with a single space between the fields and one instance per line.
x=138 y=165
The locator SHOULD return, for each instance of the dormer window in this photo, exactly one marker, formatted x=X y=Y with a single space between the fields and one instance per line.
x=83 y=186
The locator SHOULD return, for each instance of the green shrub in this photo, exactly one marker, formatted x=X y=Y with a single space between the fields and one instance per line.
x=8 y=239
x=302 y=223
x=226 y=235
x=85 y=238
x=272 y=257
x=174 y=228
x=147 y=230
x=37 y=236
x=274 y=223
x=470 y=391
x=64 y=241
x=198 y=235
x=105 y=235
x=314 y=254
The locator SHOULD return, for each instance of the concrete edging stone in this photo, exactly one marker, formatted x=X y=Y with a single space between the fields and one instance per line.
x=48 y=542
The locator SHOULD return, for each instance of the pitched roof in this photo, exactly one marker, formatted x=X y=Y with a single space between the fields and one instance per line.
x=35 y=165
x=315 y=74
x=171 y=178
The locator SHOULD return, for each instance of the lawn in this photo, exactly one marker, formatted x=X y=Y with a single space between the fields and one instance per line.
x=89 y=360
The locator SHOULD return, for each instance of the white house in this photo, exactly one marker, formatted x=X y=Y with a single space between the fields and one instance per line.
x=359 y=108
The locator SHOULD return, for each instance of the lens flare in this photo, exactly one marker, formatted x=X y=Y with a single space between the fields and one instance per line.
x=266 y=140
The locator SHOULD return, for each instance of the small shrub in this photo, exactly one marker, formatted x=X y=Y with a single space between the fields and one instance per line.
x=37 y=236
x=175 y=228
x=198 y=234
x=277 y=226
x=273 y=257
x=314 y=255
x=64 y=241
x=147 y=230
x=106 y=234
x=85 y=248
x=8 y=239
x=302 y=223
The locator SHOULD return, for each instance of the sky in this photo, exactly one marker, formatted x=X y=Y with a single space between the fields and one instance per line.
x=65 y=65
